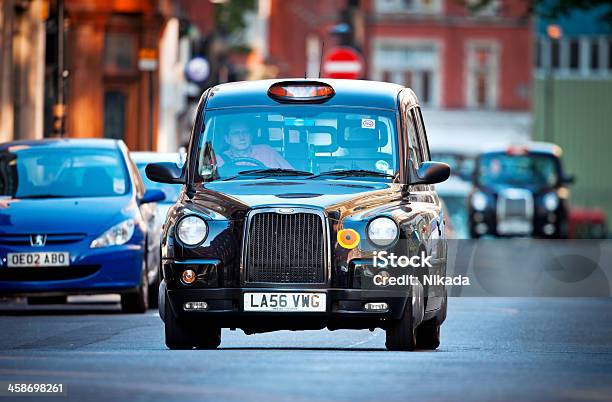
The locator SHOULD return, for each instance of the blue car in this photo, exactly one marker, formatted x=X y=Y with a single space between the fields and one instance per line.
x=75 y=219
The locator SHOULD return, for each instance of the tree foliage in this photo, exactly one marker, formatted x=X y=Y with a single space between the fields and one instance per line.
x=229 y=16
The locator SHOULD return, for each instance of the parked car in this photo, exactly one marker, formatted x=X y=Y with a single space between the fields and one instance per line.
x=520 y=190
x=460 y=161
x=587 y=223
x=75 y=219
x=290 y=188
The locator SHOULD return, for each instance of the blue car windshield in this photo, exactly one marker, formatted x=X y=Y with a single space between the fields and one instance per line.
x=60 y=172
x=312 y=139
x=536 y=170
x=172 y=191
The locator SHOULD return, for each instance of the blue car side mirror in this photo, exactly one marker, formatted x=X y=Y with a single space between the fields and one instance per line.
x=153 y=195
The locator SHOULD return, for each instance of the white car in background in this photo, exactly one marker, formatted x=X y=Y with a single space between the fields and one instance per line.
x=142 y=159
x=454 y=193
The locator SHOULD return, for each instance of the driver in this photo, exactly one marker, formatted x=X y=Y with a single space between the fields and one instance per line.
x=239 y=137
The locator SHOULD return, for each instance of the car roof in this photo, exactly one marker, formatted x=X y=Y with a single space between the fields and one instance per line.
x=530 y=146
x=100 y=143
x=147 y=157
x=347 y=93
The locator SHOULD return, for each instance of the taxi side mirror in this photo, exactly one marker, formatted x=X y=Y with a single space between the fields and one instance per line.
x=431 y=173
x=568 y=179
x=165 y=172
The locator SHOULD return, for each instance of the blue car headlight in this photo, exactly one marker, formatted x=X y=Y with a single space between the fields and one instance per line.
x=117 y=235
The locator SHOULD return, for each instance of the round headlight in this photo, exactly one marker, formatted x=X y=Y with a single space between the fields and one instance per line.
x=191 y=230
x=551 y=201
x=479 y=201
x=382 y=231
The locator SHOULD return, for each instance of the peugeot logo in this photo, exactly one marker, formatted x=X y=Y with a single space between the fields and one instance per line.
x=285 y=210
x=38 y=240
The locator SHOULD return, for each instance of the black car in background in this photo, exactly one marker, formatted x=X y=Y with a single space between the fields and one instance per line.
x=290 y=188
x=520 y=190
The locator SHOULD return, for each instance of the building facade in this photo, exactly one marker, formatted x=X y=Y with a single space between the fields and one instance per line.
x=22 y=54
x=453 y=58
x=573 y=100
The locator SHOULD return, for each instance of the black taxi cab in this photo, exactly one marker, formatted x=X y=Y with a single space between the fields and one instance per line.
x=291 y=187
x=520 y=190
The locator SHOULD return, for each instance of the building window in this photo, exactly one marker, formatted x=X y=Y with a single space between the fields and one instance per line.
x=415 y=65
x=555 y=50
x=610 y=54
x=594 y=62
x=574 y=54
x=478 y=8
x=114 y=114
x=408 y=6
x=119 y=53
x=482 y=72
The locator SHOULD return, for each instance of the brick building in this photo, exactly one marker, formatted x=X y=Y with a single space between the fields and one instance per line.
x=452 y=57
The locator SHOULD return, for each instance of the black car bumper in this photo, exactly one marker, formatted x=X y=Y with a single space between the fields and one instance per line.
x=345 y=309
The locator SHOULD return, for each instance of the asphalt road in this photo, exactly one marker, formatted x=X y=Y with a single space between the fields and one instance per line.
x=504 y=349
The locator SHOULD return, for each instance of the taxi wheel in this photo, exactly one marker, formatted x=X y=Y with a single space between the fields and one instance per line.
x=428 y=335
x=209 y=338
x=182 y=335
x=137 y=302
x=401 y=334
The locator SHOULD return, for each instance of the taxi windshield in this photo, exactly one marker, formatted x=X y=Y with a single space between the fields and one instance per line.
x=533 y=170
x=298 y=140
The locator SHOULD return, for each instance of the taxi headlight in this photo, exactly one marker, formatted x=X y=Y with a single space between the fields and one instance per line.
x=191 y=230
x=551 y=201
x=117 y=235
x=382 y=231
x=479 y=201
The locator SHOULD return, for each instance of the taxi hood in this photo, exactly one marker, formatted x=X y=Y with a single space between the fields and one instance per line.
x=232 y=199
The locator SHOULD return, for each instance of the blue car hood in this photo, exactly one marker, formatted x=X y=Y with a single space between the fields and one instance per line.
x=64 y=215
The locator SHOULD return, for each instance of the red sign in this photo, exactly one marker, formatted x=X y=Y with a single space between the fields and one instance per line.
x=343 y=62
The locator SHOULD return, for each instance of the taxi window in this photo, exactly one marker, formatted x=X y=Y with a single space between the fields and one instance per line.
x=306 y=138
x=415 y=154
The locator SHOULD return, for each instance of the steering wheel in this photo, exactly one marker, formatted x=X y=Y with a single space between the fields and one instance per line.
x=236 y=165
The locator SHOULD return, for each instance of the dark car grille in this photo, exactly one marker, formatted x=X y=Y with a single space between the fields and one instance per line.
x=285 y=248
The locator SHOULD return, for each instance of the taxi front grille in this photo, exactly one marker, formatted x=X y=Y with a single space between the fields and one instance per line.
x=516 y=207
x=285 y=248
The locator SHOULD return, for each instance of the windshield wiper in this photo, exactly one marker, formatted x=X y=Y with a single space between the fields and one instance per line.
x=271 y=172
x=33 y=196
x=353 y=173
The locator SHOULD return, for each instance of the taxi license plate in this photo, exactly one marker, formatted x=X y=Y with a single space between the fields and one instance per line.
x=280 y=302
x=41 y=259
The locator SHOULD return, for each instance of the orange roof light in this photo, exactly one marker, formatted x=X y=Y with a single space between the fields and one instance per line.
x=517 y=150
x=301 y=92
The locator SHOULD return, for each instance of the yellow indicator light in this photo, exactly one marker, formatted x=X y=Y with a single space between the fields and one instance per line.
x=348 y=238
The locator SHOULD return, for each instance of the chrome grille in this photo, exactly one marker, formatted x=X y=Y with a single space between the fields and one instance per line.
x=285 y=248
